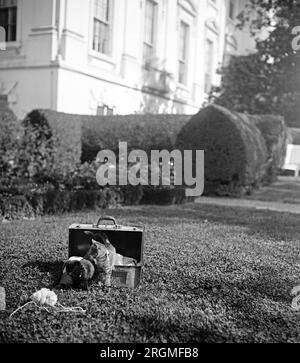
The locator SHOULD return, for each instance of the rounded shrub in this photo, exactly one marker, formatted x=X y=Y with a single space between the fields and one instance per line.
x=235 y=150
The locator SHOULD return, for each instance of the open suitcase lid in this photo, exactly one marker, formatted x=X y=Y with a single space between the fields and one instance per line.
x=107 y=227
x=128 y=240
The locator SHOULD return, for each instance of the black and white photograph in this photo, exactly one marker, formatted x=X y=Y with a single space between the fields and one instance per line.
x=149 y=174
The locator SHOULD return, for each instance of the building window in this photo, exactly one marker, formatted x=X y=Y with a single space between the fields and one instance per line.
x=102 y=26
x=231 y=10
x=149 y=32
x=209 y=65
x=8 y=19
x=183 y=52
x=105 y=110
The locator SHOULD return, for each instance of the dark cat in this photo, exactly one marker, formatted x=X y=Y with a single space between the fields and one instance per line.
x=77 y=272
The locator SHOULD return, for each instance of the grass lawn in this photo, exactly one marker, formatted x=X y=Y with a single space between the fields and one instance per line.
x=212 y=274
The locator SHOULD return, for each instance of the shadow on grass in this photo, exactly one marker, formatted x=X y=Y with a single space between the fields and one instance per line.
x=165 y=331
x=262 y=304
x=267 y=224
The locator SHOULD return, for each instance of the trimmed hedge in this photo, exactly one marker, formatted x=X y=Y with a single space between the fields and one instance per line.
x=294 y=136
x=241 y=150
x=235 y=150
x=275 y=133
x=81 y=137
x=146 y=132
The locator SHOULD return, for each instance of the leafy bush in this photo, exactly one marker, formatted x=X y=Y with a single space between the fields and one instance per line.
x=52 y=201
x=82 y=177
x=36 y=153
x=235 y=151
x=132 y=195
x=14 y=207
x=51 y=144
x=79 y=191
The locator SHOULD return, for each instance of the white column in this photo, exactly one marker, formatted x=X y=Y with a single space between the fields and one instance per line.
x=132 y=41
x=42 y=33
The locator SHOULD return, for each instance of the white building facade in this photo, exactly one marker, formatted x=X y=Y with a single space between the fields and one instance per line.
x=116 y=56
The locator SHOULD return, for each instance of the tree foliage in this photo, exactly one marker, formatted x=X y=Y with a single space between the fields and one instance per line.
x=267 y=81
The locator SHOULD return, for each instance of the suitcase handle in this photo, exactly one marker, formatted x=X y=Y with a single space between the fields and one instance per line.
x=107 y=218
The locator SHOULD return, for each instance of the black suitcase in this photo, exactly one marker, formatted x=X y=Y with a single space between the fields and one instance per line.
x=128 y=241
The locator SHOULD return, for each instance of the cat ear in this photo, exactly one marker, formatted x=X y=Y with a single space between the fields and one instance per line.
x=98 y=237
x=104 y=238
x=95 y=246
